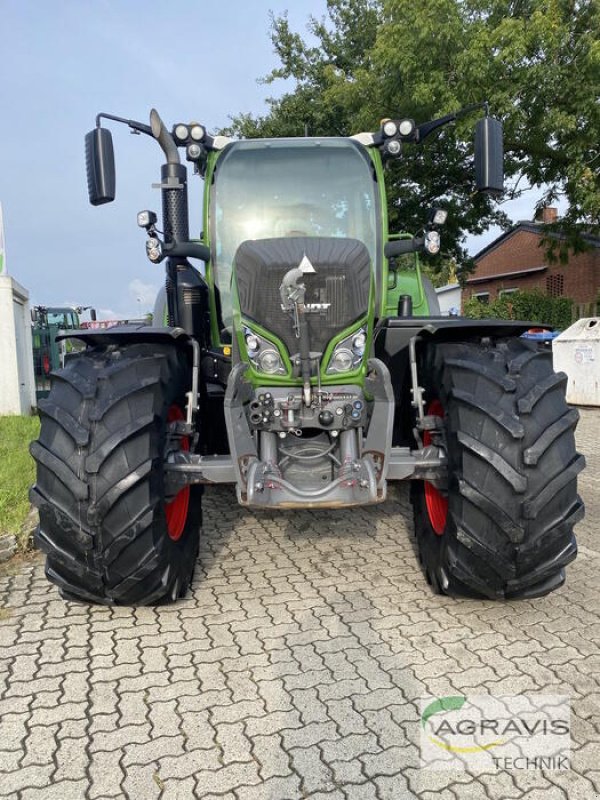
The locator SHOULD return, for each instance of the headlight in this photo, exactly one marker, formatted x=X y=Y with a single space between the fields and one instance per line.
x=348 y=353
x=263 y=355
x=341 y=360
x=359 y=343
x=269 y=361
x=252 y=343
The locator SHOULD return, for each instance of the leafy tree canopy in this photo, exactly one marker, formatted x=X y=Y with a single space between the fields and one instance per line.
x=537 y=62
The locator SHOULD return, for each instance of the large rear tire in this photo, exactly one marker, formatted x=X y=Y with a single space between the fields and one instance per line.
x=511 y=500
x=110 y=533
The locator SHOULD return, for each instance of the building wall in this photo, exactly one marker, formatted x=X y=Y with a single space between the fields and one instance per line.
x=449 y=297
x=580 y=279
x=17 y=383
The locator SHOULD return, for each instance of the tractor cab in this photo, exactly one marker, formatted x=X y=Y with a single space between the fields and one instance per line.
x=290 y=188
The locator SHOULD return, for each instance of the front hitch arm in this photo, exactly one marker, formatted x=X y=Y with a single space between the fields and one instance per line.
x=292 y=293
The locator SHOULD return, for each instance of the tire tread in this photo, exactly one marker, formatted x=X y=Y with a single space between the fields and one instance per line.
x=513 y=471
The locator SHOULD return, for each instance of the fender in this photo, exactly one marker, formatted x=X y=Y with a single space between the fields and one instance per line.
x=392 y=335
x=129 y=334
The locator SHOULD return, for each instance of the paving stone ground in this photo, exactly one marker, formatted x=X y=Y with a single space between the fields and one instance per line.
x=293 y=670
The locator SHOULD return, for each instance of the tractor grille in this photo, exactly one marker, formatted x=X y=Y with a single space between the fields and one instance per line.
x=341 y=282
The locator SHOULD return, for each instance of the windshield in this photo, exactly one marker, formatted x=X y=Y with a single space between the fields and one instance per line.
x=273 y=188
x=64 y=319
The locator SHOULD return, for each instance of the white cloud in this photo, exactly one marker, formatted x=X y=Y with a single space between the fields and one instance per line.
x=142 y=295
x=106 y=313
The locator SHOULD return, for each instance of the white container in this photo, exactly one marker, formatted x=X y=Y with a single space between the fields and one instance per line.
x=17 y=381
x=577 y=352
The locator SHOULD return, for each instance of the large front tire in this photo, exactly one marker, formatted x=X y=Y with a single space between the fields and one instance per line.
x=512 y=496
x=110 y=532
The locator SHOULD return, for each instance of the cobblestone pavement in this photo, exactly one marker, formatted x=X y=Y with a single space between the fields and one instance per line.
x=292 y=671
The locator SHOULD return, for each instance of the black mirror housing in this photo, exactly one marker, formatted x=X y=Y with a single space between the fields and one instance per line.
x=489 y=156
x=100 y=166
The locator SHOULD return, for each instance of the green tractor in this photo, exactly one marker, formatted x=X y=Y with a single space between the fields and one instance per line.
x=50 y=353
x=303 y=360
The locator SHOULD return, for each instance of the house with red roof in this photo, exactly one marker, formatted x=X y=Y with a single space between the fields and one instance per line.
x=517 y=260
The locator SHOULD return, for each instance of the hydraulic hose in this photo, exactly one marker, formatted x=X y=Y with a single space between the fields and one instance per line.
x=304 y=355
x=292 y=293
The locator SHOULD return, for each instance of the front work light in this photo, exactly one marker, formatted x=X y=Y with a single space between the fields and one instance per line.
x=193 y=152
x=390 y=128
x=154 y=250
x=432 y=242
x=406 y=127
x=438 y=216
x=146 y=219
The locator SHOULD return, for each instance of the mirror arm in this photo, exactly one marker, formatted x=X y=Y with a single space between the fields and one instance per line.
x=428 y=127
x=187 y=250
x=136 y=127
x=403 y=246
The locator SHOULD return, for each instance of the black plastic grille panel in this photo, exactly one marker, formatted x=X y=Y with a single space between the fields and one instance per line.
x=342 y=279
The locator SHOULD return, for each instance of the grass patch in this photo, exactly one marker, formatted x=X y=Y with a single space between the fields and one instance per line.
x=17 y=470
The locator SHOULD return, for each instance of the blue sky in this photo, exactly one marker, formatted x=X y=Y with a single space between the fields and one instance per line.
x=61 y=63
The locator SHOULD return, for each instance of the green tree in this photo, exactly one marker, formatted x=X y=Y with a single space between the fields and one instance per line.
x=536 y=61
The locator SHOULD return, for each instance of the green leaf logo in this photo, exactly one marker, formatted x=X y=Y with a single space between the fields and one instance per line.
x=442 y=704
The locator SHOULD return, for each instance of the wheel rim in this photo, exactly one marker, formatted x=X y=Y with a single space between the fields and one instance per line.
x=177 y=510
x=435 y=502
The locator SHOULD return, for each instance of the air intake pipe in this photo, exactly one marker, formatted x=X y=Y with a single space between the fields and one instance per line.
x=175 y=210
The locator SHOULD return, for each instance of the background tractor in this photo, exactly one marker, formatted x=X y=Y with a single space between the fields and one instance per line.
x=48 y=322
x=303 y=360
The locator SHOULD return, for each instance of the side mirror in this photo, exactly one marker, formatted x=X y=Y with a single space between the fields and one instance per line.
x=93 y=314
x=489 y=156
x=100 y=166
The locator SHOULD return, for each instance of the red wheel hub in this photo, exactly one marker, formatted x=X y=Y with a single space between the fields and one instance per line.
x=436 y=503
x=177 y=510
